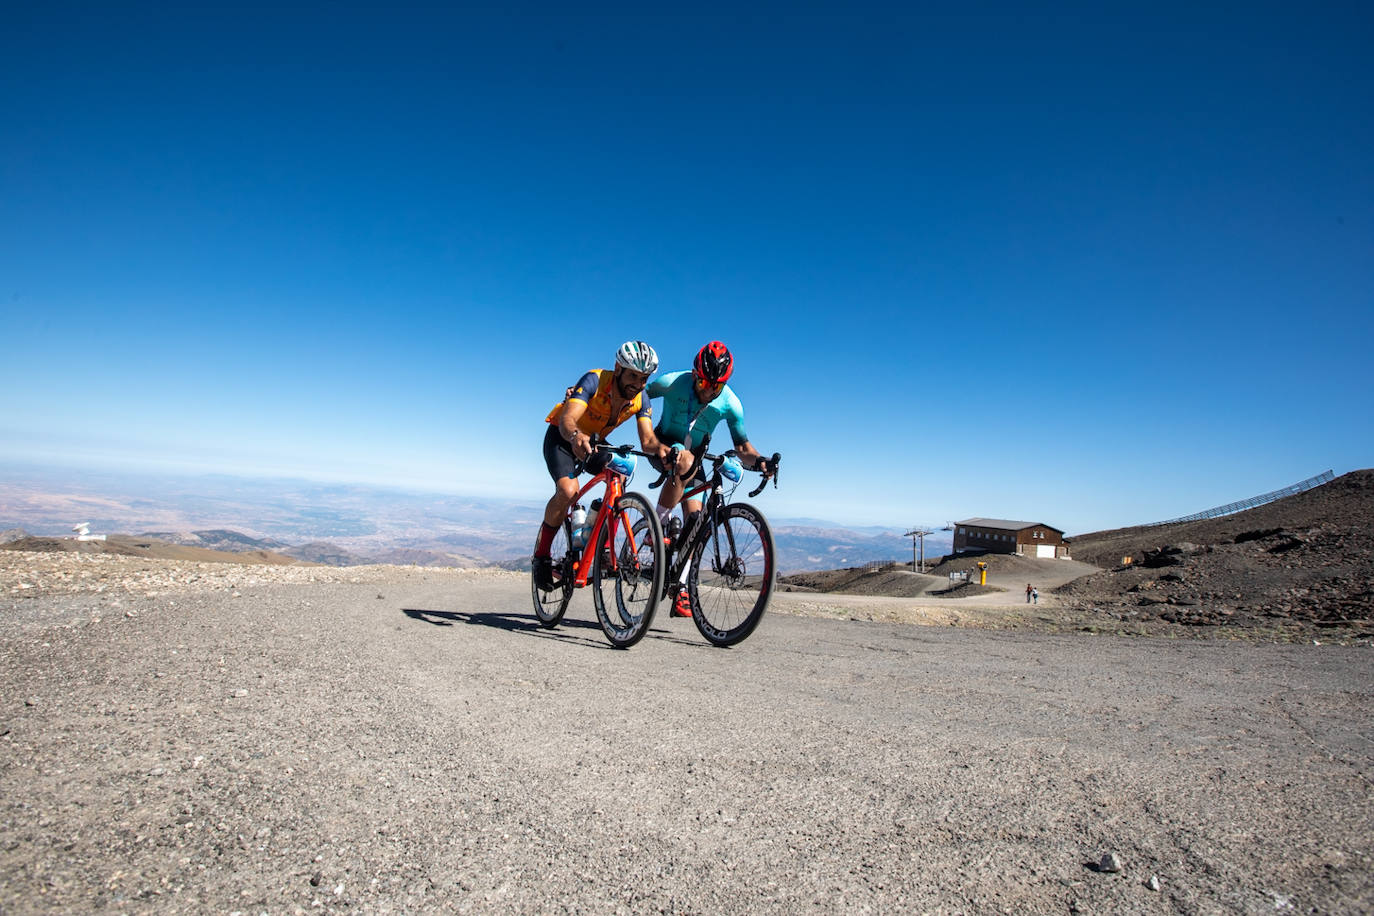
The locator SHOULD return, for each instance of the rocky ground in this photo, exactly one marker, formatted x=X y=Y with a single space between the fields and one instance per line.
x=1296 y=570
x=26 y=574
x=1005 y=572
x=1302 y=566
x=183 y=737
x=127 y=545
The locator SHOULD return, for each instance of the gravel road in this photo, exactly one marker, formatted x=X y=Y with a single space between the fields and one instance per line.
x=408 y=740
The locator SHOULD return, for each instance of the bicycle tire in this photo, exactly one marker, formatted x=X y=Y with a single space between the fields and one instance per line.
x=626 y=597
x=728 y=603
x=551 y=605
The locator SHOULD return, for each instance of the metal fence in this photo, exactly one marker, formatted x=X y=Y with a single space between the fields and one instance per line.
x=1252 y=502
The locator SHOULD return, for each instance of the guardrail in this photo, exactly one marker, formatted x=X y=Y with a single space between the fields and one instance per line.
x=1231 y=508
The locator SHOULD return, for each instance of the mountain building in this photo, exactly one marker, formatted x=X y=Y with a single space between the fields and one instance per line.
x=1001 y=535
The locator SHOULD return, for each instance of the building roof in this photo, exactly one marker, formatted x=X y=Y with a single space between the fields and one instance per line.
x=1005 y=524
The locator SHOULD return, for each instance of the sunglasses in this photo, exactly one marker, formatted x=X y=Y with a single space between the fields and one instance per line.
x=704 y=385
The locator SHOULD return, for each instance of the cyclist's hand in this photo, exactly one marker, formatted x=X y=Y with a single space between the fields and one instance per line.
x=681 y=460
x=764 y=468
x=581 y=445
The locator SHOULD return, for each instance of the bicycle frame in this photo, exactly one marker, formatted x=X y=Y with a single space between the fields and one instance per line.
x=699 y=531
x=606 y=515
x=691 y=539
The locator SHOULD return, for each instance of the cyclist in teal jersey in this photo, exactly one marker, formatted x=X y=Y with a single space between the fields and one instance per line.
x=694 y=404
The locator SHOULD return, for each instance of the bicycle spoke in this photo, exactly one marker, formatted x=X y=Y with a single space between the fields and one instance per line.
x=629 y=571
x=550 y=604
x=732 y=579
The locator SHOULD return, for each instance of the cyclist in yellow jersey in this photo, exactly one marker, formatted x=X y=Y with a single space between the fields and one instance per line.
x=600 y=401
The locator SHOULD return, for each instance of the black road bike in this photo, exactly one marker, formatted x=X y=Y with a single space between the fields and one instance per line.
x=728 y=553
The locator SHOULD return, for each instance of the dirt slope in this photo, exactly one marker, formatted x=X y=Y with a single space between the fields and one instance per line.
x=1347 y=501
x=893 y=581
x=1307 y=560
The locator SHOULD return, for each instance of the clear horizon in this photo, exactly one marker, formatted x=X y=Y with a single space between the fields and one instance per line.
x=143 y=474
x=1090 y=266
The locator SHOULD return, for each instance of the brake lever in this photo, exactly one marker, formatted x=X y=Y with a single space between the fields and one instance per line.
x=669 y=467
x=773 y=462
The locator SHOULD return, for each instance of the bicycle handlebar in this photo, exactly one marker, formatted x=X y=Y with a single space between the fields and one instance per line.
x=671 y=464
x=620 y=449
x=581 y=466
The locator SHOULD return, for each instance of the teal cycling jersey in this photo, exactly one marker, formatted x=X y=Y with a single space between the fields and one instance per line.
x=686 y=421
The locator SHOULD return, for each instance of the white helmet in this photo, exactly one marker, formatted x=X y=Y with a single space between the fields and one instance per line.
x=637 y=356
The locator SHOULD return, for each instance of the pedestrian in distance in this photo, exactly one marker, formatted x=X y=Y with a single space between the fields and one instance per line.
x=1035 y=596
x=1028 y=593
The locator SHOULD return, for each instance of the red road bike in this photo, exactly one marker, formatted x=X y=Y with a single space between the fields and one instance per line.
x=621 y=555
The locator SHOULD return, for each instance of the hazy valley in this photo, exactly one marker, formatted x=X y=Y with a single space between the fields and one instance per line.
x=342 y=524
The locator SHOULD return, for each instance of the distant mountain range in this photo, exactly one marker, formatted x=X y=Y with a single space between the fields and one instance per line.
x=344 y=525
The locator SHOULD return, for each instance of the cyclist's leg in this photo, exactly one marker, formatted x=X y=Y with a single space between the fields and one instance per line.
x=689 y=474
x=688 y=469
x=562 y=467
x=552 y=594
x=682 y=599
x=565 y=491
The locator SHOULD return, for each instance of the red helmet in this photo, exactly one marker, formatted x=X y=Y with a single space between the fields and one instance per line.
x=714 y=363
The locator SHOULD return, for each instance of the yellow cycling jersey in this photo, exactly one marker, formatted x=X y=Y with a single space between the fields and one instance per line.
x=594 y=390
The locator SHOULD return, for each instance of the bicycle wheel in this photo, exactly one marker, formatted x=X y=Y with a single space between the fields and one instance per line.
x=550 y=605
x=627 y=573
x=732 y=575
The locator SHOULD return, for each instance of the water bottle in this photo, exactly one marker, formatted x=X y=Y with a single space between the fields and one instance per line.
x=579 y=527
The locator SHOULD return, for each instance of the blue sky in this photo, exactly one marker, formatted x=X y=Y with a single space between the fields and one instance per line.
x=1086 y=265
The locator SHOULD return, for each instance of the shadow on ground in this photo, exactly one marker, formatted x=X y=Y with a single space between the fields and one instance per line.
x=511 y=622
x=518 y=623
x=484 y=618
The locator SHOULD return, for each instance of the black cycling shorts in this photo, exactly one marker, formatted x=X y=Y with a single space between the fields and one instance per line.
x=695 y=474
x=560 y=460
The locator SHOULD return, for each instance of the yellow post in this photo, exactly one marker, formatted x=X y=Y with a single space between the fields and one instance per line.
x=982 y=573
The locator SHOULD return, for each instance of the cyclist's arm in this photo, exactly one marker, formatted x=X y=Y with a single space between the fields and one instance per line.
x=658 y=387
x=734 y=419
x=752 y=458
x=648 y=440
x=581 y=443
